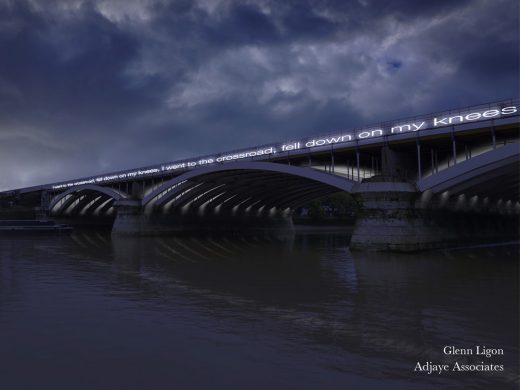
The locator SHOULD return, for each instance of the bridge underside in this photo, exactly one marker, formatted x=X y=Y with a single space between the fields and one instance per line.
x=242 y=196
x=489 y=180
x=85 y=201
x=239 y=192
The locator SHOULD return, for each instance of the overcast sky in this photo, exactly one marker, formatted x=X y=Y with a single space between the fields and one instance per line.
x=88 y=87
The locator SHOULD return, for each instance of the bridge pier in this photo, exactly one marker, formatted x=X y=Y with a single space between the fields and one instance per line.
x=130 y=219
x=388 y=219
x=393 y=218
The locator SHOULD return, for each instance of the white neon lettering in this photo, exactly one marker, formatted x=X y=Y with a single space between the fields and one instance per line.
x=400 y=128
x=509 y=110
x=439 y=122
x=454 y=118
x=473 y=116
x=293 y=146
x=328 y=141
x=490 y=113
x=370 y=134
x=418 y=127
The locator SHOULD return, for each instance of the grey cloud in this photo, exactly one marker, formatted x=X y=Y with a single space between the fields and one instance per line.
x=112 y=84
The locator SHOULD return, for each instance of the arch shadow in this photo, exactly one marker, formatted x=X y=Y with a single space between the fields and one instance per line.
x=246 y=185
x=88 y=196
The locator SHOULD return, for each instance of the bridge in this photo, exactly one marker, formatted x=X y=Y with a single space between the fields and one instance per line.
x=418 y=180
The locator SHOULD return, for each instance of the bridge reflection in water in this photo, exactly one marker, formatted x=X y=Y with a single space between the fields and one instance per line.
x=304 y=309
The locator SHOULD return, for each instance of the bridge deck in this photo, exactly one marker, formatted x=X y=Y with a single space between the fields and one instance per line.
x=464 y=123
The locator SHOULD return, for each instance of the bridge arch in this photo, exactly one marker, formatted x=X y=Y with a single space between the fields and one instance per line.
x=85 y=199
x=245 y=187
x=492 y=174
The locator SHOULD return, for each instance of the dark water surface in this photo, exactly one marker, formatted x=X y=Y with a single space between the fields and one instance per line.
x=91 y=312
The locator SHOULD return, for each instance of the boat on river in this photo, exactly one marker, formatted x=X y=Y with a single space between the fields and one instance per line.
x=33 y=226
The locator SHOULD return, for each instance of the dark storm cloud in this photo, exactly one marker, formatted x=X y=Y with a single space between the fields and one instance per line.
x=72 y=66
x=94 y=86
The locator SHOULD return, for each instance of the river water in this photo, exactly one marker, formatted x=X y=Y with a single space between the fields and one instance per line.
x=303 y=312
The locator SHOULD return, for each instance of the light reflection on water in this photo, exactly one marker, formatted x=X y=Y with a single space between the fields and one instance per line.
x=90 y=311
